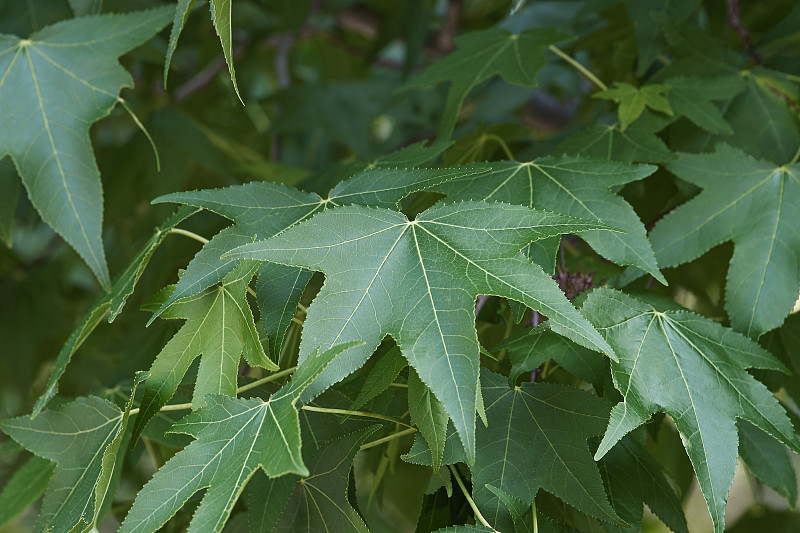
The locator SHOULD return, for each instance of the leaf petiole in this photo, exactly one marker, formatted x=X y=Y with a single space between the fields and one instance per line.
x=471 y=502
x=580 y=68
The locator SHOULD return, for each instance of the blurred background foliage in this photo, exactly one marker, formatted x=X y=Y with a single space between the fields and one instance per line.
x=319 y=80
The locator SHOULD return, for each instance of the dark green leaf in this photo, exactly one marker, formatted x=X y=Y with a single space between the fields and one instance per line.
x=767 y=460
x=24 y=487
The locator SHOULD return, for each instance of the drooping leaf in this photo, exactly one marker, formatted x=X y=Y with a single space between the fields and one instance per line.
x=633 y=478
x=576 y=186
x=516 y=57
x=537 y=439
x=261 y=210
x=749 y=202
x=181 y=15
x=767 y=460
x=429 y=415
x=83 y=438
x=380 y=376
x=53 y=86
x=693 y=97
x=219 y=325
x=529 y=348
x=24 y=487
x=110 y=304
x=705 y=366
x=420 y=452
x=417 y=281
x=632 y=101
x=637 y=143
x=234 y=438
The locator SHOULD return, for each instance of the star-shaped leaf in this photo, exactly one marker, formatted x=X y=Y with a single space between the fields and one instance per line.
x=83 y=438
x=53 y=86
x=580 y=187
x=693 y=97
x=417 y=281
x=516 y=57
x=262 y=210
x=632 y=101
x=219 y=325
x=693 y=369
x=751 y=203
x=537 y=438
x=234 y=437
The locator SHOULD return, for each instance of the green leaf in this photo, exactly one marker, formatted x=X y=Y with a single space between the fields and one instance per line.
x=693 y=97
x=521 y=513
x=578 y=187
x=381 y=376
x=417 y=281
x=420 y=452
x=633 y=478
x=9 y=195
x=83 y=438
x=516 y=57
x=632 y=101
x=748 y=202
x=110 y=304
x=637 y=143
x=262 y=210
x=53 y=86
x=219 y=325
x=468 y=528
x=234 y=437
x=530 y=348
x=429 y=415
x=81 y=8
x=767 y=460
x=537 y=438
x=705 y=365
x=24 y=487
x=319 y=502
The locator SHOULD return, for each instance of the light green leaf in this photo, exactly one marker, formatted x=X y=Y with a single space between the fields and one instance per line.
x=429 y=415
x=537 y=438
x=262 y=210
x=632 y=101
x=705 y=366
x=417 y=281
x=24 y=487
x=110 y=304
x=692 y=98
x=516 y=57
x=748 y=202
x=633 y=478
x=319 y=502
x=81 y=437
x=767 y=460
x=235 y=437
x=219 y=325
x=579 y=187
x=53 y=86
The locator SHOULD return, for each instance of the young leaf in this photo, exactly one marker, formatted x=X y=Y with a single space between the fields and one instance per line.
x=704 y=366
x=219 y=325
x=633 y=478
x=537 y=438
x=53 y=86
x=110 y=304
x=750 y=203
x=83 y=438
x=494 y=51
x=632 y=101
x=235 y=437
x=576 y=186
x=380 y=376
x=417 y=281
x=429 y=415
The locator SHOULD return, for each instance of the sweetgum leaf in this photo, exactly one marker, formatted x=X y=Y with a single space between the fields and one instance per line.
x=576 y=186
x=429 y=415
x=262 y=210
x=109 y=305
x=693 y=97
x=537 y=438
x=694 y=370
x=417 y=281
x=24 y=487
x=53 y=86
x=83 y=438
x=767 y=460
x=632 y=101
x=219 y=325
x=749 y=202
x=516 y=57
x=234 y=438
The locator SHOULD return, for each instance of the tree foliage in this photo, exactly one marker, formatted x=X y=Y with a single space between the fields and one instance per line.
x=450 y=266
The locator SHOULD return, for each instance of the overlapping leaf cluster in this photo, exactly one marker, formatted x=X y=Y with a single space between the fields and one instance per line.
x=390 y=333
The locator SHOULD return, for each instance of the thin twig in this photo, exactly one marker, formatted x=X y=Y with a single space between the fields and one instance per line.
x=580 y=68
x=190 y=234
x=378 y=442
x=478 y=516
x=271 y=377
